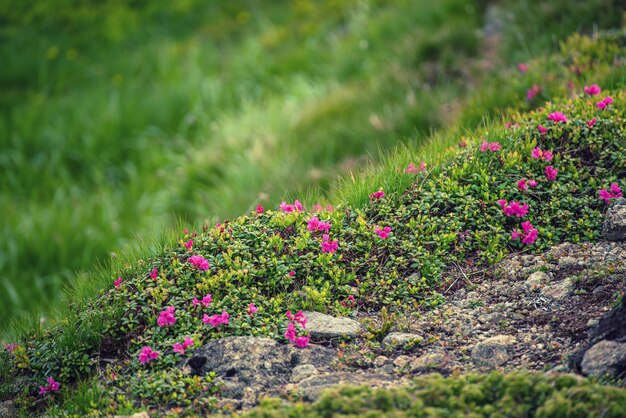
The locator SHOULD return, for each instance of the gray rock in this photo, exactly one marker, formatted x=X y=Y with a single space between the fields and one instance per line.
x=302 y=372
x=560 y=290
x=605 y=357
x=7 y=409
x=394 y=339
x=402 y=361
x=428 y=362
x=614 y=228
x=538 y=278
x=311 y=388
x=323 y=326
x=492 y=352
x=247 y=365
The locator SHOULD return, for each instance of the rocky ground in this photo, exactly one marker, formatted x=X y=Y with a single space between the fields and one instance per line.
x=559 y=311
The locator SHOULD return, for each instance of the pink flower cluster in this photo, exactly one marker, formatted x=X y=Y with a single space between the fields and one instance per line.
x=522 y=67
x=180 y=348
x=316 y=208
x=199 y=262
x=316 y=225
x=524 y=183
x=117 y=282
x=551 y=173
x=216 y=320
x=154 y=273
x=252 y=309
x=329 y=246
x=540 y=154
x=147 y=354
x=412 y=169
x=10 y=347
x=604 y=102
x=297 y=206
x=206 y=301
x=514 y=209
x=613 y=193
x=291 y=333
x=166 y=317
x=382 y=233
x=542 y=130
x=557 y=117
x=490 y=146
x=528 y=236
x=52 y=387
x=377 y=195
x=592 y=90
x=531 y=93
x=591 y=122
x=259 y=209
x=188 y=245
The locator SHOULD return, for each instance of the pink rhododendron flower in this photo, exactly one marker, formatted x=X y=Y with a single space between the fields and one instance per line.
x=557 y=117
x=490 y=146
x=117 y=282
x=412 y=169
x=188 y=244
x=613 y=193
x=315 y=224
x=522 y=67
x=216 y=320
x=532 y=92
x=10 y=347
x=299 y=318
x=592 y=90
x=185 y=231
x=542 y=130
x=154 y=273
x=147 y=354
x=551 y=173
x=199 y=262
x=290 y=333
x=51 y=387
x=377 y=195
x=292 y=273
x=532 y=183
x=260 y=209
x=302 y=341
x=529 y=234
x=252 y=309
x=206 y=301
x=166 y=317
x=287 y=208
x=180 y=348
x=382 y=233
x=541 y=154
x=513 y=209
x=522 y=185
x=591 y=122
x=604 y=102
x=329 y=246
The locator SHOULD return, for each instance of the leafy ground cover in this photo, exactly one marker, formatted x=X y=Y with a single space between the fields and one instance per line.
x=209 y=111
x=534 y=182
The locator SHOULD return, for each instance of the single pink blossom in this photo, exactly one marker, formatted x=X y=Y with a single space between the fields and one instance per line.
x=199 y=262
x=154 y=273
x=542 y=130
x=188 y=244
x=557 y=117
x=166 y=317
x=532 y=183
x=551 y=173
x=252 y=309
x=613 y=193
x=532 y=92
x=290 y=333
x=592 y=90
x=522 y=185
x=117 y=282
x=604 y=102
x=329 y=246
x=147 y=354
x=377 y=195
x=51 y=387
x=185 y=231
x=180 y=348
x=382 y=233
x=522 y=68
x=292 y=273
x=260 y=209
x=591 y=122
x=541 y=154
x=515 y=235
x=302 y=341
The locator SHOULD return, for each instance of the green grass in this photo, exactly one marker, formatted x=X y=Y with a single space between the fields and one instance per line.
x=212 y=108
x=252 y=255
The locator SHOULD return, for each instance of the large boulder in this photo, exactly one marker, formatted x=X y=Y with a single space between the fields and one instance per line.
x=323 y=326
x=614 y=227
x=605 y=358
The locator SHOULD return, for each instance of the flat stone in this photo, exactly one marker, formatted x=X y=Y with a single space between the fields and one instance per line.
x=614 y=228
x=605 y=357
x=323 y=326
x=311 y=388
x=135 y=415
x=538 y=278
x=394 y=339
x=492 y=352
x=302 y=372
x=560 y=290
x=428 y=362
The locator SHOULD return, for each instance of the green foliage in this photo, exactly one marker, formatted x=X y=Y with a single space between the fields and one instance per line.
x=492 y=395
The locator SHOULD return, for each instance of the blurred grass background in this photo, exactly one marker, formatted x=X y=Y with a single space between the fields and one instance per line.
x=119 y=118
